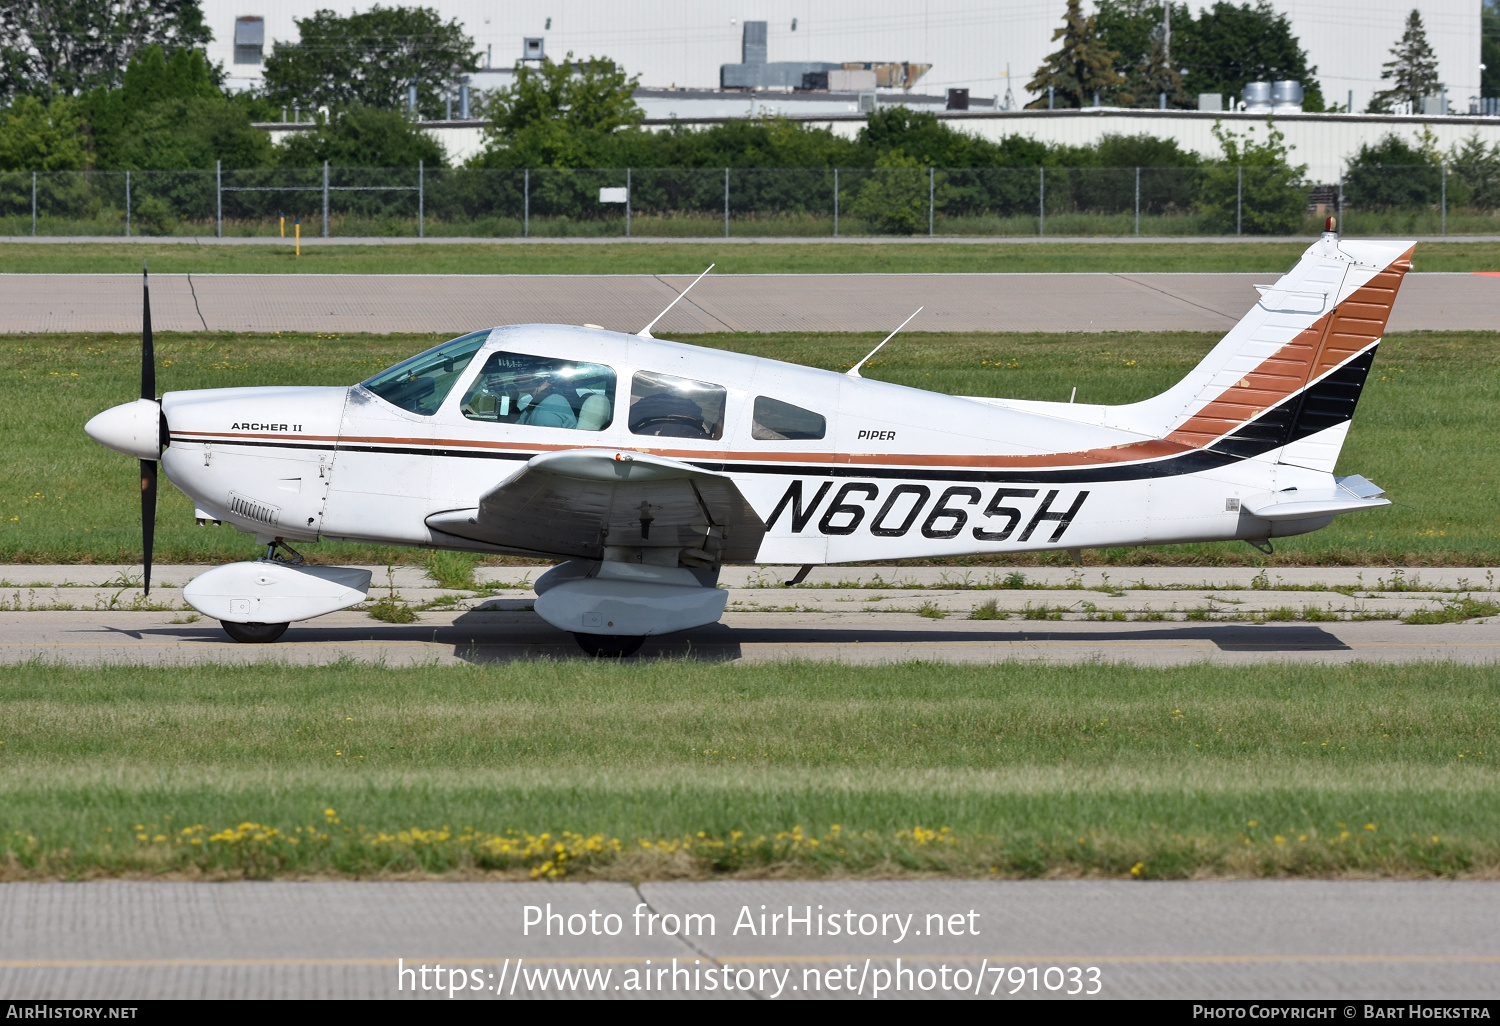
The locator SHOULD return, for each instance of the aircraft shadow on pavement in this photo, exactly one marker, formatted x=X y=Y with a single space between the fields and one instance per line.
x=1228 y=637
x=490 y=637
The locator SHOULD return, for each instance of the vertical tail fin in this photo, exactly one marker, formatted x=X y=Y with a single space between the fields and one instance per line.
x=1285 y=381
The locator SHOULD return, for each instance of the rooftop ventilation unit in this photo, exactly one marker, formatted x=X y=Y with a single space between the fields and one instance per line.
x=753 y=43
x=1286 y=97
x=1257 y=97
x=533 y=48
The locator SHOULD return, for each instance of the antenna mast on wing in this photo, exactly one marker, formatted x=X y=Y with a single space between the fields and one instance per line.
x=646 y=331
x=853 y=372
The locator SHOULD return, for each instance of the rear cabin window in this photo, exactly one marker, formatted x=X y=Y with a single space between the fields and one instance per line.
x=671 y=407
x=420 y=384
x=779 y=421
x=513 y=388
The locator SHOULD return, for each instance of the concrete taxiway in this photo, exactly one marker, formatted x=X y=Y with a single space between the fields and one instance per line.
x=1339 y=940
x=749 y=302
x=1150 y=616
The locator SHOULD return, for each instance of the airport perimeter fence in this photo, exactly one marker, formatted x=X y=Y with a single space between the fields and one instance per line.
x=1213 y=200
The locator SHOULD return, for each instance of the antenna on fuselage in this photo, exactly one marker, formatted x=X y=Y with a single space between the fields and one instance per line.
x=646 y=331
x=853 y=372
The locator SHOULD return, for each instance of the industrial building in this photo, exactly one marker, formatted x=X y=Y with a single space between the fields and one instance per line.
x=989 y=47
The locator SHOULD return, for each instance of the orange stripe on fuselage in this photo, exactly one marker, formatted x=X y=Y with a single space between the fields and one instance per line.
x=1348 y=329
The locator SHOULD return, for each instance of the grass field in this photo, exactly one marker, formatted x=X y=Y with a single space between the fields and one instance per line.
x=1019 y=769
x=670 y=258
x=1425 y=431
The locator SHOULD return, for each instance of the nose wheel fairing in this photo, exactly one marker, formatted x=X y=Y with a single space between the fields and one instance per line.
x=273 y=592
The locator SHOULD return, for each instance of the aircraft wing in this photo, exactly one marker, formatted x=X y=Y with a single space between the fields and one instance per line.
x=576 y=502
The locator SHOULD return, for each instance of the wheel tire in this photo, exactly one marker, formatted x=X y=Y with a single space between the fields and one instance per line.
x=253 y=633
x=610 y=646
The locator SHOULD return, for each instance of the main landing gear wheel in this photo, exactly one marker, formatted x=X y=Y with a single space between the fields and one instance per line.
x=610 y=646
x=254 y=633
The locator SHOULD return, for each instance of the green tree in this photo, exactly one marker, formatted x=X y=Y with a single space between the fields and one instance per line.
x=1227 y=46
x=1136 y=29
x=37 y=136
x=1157 y=76
x=1082 y=67
x=70 y=46
x=1412 y=69
x=1392 y=174
x=1478 y=167
x=177 y=134
x=362 y=137
x=893 y=200
x=153 y=75
x=170 y=114
x=761 y=142
x=922 y=136
x=1255 y=179
x=370 y=60
x=559 y=115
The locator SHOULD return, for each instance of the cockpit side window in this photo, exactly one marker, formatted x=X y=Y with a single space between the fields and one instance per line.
x=776 y=421
x=671 y=407
x=420 y=384
x=513 y=388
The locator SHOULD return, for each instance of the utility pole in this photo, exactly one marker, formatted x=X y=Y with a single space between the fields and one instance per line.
x=1166 y=33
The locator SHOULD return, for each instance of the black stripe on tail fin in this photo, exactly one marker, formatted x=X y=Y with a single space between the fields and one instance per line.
x=1326 y=403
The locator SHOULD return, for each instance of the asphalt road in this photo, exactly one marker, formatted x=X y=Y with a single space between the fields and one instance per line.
x=1342 y=941
x=753 y=303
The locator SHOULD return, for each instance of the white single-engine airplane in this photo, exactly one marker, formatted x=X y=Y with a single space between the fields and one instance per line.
x=645 y=465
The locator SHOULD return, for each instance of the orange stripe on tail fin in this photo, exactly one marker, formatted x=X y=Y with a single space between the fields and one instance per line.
x=1328 y=343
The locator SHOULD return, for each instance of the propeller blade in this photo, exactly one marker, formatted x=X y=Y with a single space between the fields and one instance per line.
x=148 y=467
x=148 y=349
x=148 y=517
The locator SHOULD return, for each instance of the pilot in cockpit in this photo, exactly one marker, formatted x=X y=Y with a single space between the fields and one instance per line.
x=541 y=392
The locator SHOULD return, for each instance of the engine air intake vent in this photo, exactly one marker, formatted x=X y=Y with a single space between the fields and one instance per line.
x=253 y=509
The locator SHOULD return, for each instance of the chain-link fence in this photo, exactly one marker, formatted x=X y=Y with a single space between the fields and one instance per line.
x=1213 y=200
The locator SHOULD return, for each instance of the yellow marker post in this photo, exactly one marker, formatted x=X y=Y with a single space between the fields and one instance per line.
x=297 y=225
x=283 y=226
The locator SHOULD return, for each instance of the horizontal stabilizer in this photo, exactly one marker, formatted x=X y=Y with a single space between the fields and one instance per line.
x=1348 y=495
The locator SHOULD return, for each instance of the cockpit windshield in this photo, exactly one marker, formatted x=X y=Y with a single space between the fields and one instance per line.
x=421 y=383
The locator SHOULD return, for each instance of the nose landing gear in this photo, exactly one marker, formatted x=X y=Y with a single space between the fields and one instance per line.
x=253 y=633
x=610 y=646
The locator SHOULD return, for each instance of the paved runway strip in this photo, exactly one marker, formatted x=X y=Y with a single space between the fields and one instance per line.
x=751 y=302
x=91 y=614
x=1238 y=939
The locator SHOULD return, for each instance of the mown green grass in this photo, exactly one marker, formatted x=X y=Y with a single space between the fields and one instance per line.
x=680 y=258
x=1033 y=769
x=1424 y=430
